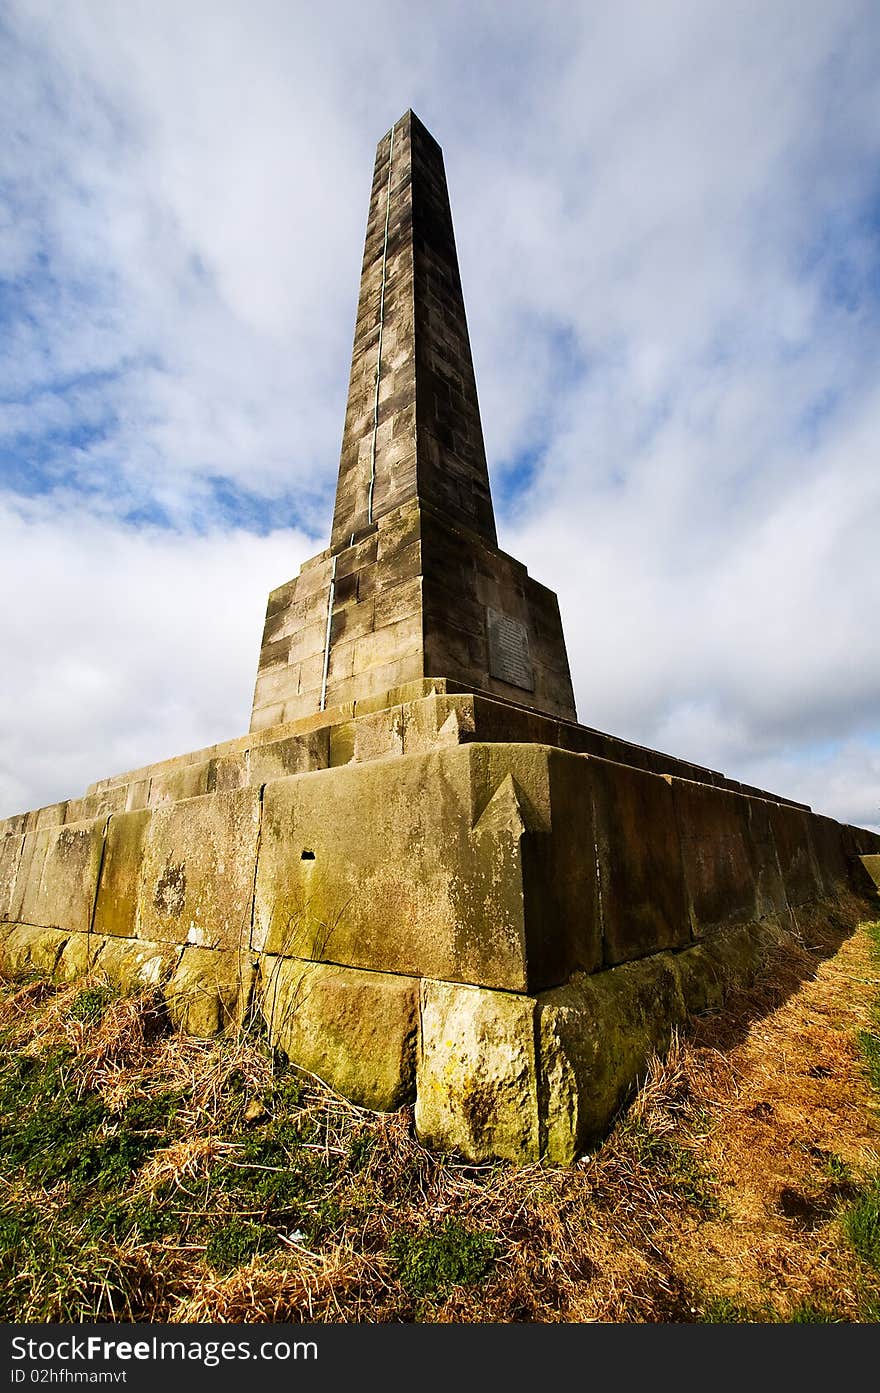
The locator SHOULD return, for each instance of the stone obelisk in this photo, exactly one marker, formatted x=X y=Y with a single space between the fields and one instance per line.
x=434 y=884
x=413 y=584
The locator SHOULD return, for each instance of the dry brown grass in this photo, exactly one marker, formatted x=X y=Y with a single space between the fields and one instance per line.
x=716 y=1196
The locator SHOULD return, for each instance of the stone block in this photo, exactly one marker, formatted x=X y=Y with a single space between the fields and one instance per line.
x=644 y=906
x=77 y=957
x=350 y=621
x=119 y=889
x=198 y=866
x=207 y=991
x=295 y=754
x=10 y=858
x=387 y=644
x=728 y=961
x=596 y=1036
x=100 y=804
x=794 y=851
x=185 y=781
x=25 y=888
x=770 y=897
x=380 y=733
x=228 y=772
x=340 y=664
x=477 y=1075
x=377 y=681
x=359 y=865
x=31 y=948
x=130 y=964
x=398 y=602
x=719 y=869
x=831 y=859
x=58 y=876
x=265 y=715
x=306 y=642
x=447 y=865
x=137 y=795
x=356 y=1030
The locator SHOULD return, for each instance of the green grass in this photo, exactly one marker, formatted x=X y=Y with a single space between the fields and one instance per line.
x=725 y=1311
x=860 y=1219
x=90 y=1004
x=62 y=1259
x=672 y=1164
x=236 y=1242
x=432 y=1261
x=869 y=1047
x=810 y=1314
x=861 y=1223
x=54 y=1133
x=839 y=1170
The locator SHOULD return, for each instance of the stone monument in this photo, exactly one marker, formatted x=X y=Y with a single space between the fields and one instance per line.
x=437 y=886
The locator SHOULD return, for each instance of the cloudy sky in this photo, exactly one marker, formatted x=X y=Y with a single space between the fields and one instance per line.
x=667 y=215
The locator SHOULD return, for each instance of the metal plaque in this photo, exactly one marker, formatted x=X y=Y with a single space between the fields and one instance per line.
x=509 y=658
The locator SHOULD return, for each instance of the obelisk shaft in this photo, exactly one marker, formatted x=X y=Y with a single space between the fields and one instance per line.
x=412 y=423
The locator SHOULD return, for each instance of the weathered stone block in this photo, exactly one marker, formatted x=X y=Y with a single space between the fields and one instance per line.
x=644 y=908
x=77 y=957
x=296 y=754
x=186 y=781
x=770 y=896
x=794 y=850
x=356 y=1030
x=596 y=1035
x=137 y=795
x=477 y=1075
x=119 y=889
x=31 y=948
x=198 y=867
x=209 y=991
x=10 y=858
x=834 y=867
x=58 y=876
x=228 y=772
x=719 y=870
x=100 y=804
x=446 y=865
x=726 y=962
x=129 y=964
x=361 y=865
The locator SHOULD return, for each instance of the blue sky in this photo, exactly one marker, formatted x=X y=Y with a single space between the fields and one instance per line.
x=668 y=222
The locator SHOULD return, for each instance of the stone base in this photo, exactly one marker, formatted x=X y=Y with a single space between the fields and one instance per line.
x=492 y=1074
x=206 y=991
x=450 y=901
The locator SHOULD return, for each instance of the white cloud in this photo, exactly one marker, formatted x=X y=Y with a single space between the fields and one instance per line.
x=124 y=646
x=667 y=227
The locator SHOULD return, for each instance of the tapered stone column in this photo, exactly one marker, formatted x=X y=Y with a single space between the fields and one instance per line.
x=413 y=585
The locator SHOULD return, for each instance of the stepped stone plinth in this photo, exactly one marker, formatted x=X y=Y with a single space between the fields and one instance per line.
x=440 y=888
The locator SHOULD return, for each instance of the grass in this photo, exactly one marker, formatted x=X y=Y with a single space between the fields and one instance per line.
x=435 y=1260
x=149 y=1176
x=861 y=1217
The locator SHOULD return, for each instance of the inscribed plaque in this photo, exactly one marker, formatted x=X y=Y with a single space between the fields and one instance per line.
x=509 y=658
